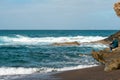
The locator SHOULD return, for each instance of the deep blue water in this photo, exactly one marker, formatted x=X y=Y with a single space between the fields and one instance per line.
x=56 y=33
x=33 y=49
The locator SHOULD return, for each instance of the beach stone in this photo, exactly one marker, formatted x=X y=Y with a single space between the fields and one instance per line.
x=111 y=60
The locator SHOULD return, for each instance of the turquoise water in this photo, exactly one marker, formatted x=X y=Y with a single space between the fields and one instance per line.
x=32 y=50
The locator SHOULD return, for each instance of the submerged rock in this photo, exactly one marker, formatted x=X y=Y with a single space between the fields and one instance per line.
x=67 y=44
x=111 y=60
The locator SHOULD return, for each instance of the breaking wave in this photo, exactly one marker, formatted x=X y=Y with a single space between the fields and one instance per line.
x=21 y=70
x=25 y=40
x=95 y=45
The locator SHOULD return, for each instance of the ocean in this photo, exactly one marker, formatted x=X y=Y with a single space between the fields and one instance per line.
x=31 y=51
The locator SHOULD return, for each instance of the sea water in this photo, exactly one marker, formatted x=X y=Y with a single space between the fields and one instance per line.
x=30 y=51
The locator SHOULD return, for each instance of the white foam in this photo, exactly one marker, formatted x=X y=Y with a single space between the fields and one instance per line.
x=15 y=71
x=21 y=70
x=77 y=67
x=24 y=40
x=94 y=45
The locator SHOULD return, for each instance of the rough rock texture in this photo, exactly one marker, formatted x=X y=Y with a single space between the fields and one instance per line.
x=111 y=60
x=67 y=44
x=117 y=8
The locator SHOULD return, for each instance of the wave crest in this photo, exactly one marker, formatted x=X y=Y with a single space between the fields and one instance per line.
x=24 y=40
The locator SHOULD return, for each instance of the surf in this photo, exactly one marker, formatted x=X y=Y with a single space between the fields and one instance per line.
x=26 y=40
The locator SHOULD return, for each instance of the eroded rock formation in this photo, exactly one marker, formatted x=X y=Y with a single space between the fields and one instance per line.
x=111 y=60
x=117 y=8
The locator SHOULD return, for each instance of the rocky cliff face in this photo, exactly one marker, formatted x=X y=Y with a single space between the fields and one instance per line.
x=117 y=8
x=111 y=60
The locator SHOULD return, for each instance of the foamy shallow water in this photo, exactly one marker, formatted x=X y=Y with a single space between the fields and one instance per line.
x=25 y=40
x=34 y=73
x=21 y=70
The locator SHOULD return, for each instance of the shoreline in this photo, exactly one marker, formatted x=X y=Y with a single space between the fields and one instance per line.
x=91 y=73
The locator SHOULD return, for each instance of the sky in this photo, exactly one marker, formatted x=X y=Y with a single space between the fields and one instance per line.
x=58 y=14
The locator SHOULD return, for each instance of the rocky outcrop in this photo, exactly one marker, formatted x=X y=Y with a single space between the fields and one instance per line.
x=111 y=60
x=110 y=38
x=67 y=44
x=117 y=8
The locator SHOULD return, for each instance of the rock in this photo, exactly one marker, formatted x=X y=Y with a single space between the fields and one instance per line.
x=113 y=64
x=111 y=60
x=110 y=38
x=67 y=44
x=98 y=56
x=117 y=8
